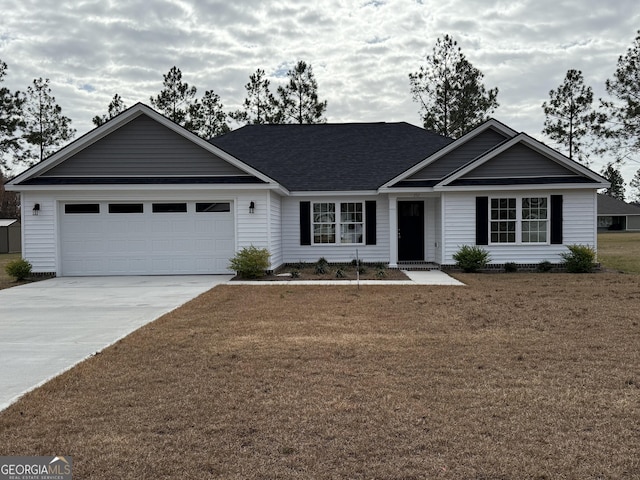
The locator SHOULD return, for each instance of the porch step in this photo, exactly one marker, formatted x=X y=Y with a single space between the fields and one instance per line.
x=418 y=266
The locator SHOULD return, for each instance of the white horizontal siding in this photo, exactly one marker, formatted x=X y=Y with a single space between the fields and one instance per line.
x=252 y=228
x=459 y=223
x=579 y=216
x=294 y=252
x=39 y=232
x=580 y=213
x=275 y=221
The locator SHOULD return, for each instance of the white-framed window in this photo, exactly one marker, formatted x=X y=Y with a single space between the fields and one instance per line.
x=338 y=223
x=503 y=220
x=535 y=219
x=351 y=222
x=324 y=223
x=519 y=220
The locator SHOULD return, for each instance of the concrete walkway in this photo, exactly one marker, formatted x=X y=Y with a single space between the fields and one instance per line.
x=416 y=277
x=49 y=326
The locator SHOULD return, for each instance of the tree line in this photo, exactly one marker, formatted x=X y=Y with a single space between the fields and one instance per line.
x=453 y=100
x=32 y=125
x=295 y=102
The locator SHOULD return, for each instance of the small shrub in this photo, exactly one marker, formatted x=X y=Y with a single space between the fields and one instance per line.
x=471 y=258
x=340 y=273
x=321 y=268
x=510 y=267
x=322 y=261
x=381 y=272
x=579 y=259
x=295 y=273
x=250 y=262
x=362 y=269
x=19 y=269
x=545 y=266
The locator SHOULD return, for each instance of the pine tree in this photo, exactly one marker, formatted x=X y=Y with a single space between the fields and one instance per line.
x=9 y=201
x=635 y=184
x=46 y=128
x=207 y=118
x=116 y=107
x=176 y=98
x=297 y=101
x=258 y=106
x=623 y=112
x=569 y=117
x=450 y=92
x=613 y=175
x=11 y=122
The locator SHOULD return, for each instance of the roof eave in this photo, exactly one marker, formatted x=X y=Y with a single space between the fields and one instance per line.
x=514 y=187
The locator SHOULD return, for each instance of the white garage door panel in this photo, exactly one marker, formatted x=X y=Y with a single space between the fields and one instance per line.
x=146 y=243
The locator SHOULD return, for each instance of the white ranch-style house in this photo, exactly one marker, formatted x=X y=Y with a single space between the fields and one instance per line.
x=141 y=195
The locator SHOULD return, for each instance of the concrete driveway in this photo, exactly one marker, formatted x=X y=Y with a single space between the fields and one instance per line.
x=47 y=327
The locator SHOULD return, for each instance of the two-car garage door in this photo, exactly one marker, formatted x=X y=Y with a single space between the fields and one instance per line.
x=146 y=238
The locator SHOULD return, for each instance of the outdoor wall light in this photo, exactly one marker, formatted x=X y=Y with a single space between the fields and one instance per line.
x=252 y=207
x=36 y=209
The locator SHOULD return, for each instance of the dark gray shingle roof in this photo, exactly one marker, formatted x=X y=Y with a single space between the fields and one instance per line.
x=331 y=157
x=612 y=206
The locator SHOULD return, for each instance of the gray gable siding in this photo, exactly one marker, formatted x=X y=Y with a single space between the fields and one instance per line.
x=460 y=156
x=143 y=147
x=519 y=161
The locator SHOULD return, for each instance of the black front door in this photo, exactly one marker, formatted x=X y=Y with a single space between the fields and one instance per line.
x=411 y=231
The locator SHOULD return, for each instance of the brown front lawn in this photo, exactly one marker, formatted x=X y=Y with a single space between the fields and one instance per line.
x=514 y=376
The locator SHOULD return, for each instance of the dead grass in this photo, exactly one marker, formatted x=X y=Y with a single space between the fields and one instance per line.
x=514 y=376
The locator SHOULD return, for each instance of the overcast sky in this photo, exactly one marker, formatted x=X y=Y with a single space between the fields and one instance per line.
x=361 y=51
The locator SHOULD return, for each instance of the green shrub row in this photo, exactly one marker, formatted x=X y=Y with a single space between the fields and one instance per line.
x=579 y=259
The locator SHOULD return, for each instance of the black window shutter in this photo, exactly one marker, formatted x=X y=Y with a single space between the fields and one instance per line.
x=556 y=219
x=482 y=220
x=305 y=223
x=370 y=220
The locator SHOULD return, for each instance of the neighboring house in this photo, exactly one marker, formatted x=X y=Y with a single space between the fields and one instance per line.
x=614 y=214
x=10 y=238
x=142 y=195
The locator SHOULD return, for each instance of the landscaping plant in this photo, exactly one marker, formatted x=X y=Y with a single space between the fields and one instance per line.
x=19 y=269
x=471 y=258
x=250 y=262
x=321 y=266
x=510 y=267
x=545 y=266
x=579 y=259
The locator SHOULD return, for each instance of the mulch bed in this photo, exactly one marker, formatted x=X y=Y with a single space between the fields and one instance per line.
x=347 y=272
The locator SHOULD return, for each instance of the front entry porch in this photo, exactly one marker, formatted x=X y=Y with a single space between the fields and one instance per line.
x=415 y=225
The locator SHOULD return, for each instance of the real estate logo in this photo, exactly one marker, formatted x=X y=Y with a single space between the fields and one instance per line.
x=35 y=468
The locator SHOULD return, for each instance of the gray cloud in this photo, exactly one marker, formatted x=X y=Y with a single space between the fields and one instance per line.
x=361 y=52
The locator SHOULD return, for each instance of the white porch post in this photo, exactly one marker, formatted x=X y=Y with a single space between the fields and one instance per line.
x=393 y=231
